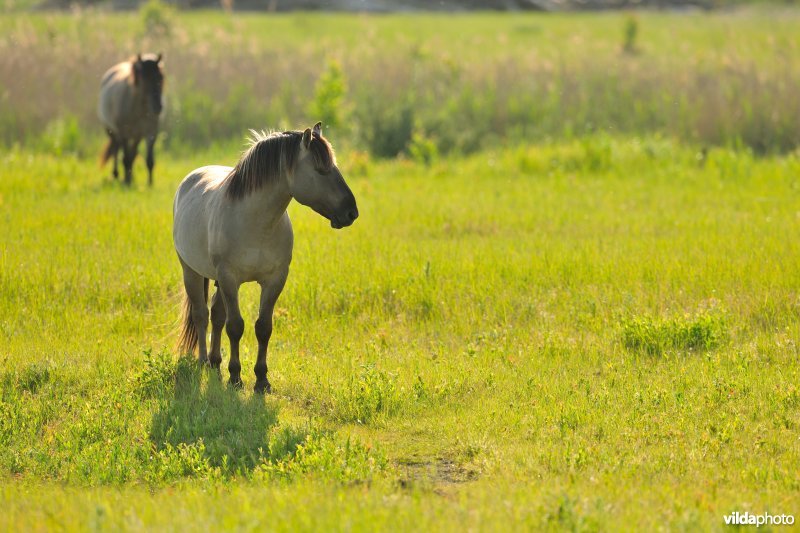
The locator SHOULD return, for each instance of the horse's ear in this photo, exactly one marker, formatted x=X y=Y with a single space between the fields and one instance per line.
x=318 y=129
x=160 y=56
x=307 y=138
x=137 y=69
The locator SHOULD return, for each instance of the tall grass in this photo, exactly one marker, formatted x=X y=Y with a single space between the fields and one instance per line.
x=462 y=83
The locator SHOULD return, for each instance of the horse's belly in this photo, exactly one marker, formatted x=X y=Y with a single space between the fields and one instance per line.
x=192 y=248
x=138 y=127
x=198 y=262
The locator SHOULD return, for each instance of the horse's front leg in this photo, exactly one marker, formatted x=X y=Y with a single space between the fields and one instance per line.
x=270 y=290
x=151 y=160
x=130 y=148
x=234 y=323
x=115 y=172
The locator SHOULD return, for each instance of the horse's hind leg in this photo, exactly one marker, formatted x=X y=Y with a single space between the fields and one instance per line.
x=197 y=292
x=217 y=323
x=270 y=291
x=113 y=149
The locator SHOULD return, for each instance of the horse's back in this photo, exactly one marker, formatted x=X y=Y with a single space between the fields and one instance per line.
x=118 y=73
x=199 y=182
x=115 y=95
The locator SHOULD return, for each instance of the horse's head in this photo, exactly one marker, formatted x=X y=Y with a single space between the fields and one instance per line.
x=148 y=76
x=317 y=182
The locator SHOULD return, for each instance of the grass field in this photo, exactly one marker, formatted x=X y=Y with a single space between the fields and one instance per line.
x=575 y=307
x=460 y=83
x=587 y=335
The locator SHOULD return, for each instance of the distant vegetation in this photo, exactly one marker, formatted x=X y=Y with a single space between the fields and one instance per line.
x=417 y=85
x=384 y=6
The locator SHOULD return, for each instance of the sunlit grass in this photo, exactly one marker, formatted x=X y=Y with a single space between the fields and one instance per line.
x=597 y=333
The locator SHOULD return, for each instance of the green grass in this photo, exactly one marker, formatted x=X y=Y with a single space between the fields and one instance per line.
x=450 y=83
x=592 y=334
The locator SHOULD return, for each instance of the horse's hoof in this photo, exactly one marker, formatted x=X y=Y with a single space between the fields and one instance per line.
x=262 y=387
x=236 y=383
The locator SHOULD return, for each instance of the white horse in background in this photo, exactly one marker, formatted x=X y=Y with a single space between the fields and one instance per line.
x=231 y=225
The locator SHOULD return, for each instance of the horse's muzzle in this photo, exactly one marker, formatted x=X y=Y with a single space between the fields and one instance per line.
x=347 y=219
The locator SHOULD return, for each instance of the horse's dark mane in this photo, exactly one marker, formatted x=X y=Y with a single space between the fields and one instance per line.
x=269 y=156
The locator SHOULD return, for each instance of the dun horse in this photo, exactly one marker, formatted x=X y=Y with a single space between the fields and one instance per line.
x=231 y=225
x=130 y=104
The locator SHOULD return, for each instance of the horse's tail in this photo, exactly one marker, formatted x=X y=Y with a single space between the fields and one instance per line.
x=108 y=151
x=187 y=340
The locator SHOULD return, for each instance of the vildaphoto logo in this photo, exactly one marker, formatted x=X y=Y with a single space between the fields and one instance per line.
x=749 y=519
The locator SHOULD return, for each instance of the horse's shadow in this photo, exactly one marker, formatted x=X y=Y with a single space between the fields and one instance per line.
x=234 y=428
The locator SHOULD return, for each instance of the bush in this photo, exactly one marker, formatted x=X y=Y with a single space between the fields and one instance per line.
x=159 y=374
x=386 y=130
x=630 y=34
x=321 y=454
x=156 y=18
x=687 y=333
x=328 y=104
x=62 y=136
x=369 y=395
x=422 y=149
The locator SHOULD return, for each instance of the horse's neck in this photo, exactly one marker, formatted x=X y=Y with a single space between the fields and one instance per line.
x=266 y=205
x=138 y=98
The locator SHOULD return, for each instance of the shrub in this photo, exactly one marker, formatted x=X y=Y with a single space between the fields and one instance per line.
x=156 y=18
x=159 y=373
x=386 y=130
x=700 y=332
x=368 y=395
x=422 y=149
x=630 y=34
x=321 y=454
x=62 y=136
x=184 y=460
x=328 y=104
